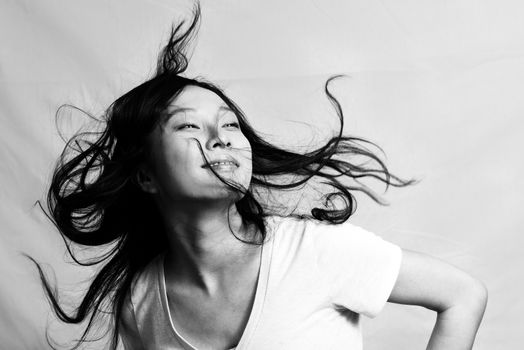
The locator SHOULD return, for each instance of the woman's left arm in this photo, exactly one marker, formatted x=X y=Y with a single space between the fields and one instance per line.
x=458 y=298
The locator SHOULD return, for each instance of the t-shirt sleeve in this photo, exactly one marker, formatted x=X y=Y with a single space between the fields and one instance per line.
x=359 y=268
x=128 y=329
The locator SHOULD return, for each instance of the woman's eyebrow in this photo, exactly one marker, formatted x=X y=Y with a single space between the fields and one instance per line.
x=225 y=108
x=177 y=110
x=173 y=112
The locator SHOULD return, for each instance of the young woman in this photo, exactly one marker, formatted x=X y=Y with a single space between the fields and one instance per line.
x=203 y=254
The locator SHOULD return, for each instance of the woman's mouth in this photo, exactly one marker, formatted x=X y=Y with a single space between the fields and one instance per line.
x=223 y=166
x=221 y=163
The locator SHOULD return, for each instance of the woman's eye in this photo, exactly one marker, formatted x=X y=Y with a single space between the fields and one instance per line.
x=232 y=125
x=187 y=126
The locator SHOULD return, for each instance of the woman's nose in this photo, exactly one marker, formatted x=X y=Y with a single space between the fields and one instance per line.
x=217 y=139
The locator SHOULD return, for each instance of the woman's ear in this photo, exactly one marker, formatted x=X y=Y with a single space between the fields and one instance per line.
x=145 y=180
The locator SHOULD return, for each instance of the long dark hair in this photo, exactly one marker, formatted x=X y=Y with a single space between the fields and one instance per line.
x=94 y=199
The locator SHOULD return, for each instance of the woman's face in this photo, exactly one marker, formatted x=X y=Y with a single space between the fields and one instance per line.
x=177 y=169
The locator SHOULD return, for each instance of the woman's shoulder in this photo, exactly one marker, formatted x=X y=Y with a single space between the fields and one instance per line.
x=320 y=235
x=278 y=228
x=276 y=223
x=145 y=278
x=291 y=226
x=292 y=234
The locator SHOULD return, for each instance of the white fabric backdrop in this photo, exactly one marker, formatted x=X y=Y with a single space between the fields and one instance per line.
x=437 y=84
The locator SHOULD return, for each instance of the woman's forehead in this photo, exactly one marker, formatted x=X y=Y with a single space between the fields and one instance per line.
x=194 y=98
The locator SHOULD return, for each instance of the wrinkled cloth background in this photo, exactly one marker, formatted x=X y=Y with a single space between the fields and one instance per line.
x=437 y=84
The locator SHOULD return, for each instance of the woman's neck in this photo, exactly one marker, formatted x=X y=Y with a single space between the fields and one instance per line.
x=202 y=250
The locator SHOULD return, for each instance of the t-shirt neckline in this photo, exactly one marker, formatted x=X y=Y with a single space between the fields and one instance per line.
x=258 y=303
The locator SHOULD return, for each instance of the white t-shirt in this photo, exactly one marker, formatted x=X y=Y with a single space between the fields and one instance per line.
x=315 y=280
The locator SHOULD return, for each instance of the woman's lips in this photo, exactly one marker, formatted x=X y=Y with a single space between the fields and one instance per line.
x=223 y=166
x=221 y=162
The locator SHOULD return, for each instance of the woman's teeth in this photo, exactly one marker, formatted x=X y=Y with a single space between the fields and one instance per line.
x=222 y=163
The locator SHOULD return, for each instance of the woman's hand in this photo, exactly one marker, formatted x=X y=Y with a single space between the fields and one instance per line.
x=458 y=298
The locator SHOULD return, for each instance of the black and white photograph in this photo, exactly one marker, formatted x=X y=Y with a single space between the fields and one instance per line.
x=261 y=175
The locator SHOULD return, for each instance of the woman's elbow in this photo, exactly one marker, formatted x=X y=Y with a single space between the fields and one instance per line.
x=472 y=298
x=479 y=295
